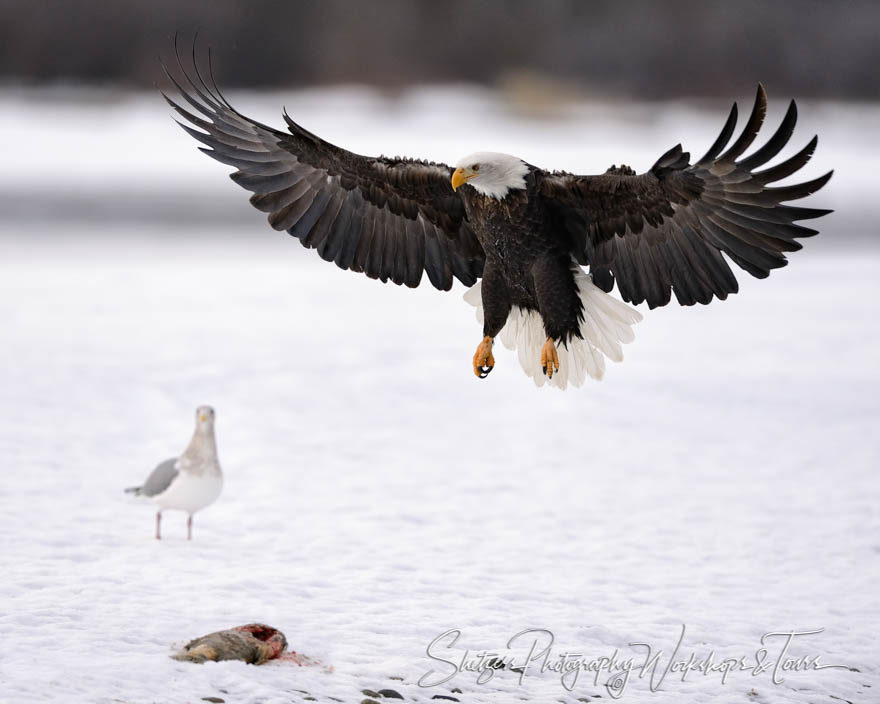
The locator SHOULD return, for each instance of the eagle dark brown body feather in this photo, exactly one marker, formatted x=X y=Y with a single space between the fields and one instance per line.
x=527 y=264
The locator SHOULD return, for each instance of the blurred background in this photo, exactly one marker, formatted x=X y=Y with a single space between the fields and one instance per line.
x=639 y=49
x=564 y=84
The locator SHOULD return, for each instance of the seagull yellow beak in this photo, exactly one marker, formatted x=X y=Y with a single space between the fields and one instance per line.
x=203 y=417
x=460 y=176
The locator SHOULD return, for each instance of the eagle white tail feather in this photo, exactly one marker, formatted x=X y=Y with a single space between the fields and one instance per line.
x=607 y=325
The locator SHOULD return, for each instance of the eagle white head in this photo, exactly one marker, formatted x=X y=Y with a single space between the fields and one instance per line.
x=491 y=173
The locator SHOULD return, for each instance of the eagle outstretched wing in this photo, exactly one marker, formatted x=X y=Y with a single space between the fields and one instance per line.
x=663 y=231
x=391 y=219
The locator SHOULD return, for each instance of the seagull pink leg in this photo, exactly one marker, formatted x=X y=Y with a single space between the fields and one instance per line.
x=189 y=527
x=158 y=524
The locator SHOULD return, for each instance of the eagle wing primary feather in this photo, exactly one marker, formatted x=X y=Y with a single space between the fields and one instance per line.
x=663 y=231
x=391 y=219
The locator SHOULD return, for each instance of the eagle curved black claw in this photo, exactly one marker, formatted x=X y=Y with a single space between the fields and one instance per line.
x=484 y=362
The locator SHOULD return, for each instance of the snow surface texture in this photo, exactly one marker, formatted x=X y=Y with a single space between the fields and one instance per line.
x=378 y=494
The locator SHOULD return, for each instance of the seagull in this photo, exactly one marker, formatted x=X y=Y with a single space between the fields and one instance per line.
x=189 y=482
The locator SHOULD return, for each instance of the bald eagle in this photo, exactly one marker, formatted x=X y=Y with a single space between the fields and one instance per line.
x=525 y=232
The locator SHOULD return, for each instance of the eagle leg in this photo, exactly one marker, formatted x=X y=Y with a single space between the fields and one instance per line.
x=483 y=359
x=549 y=358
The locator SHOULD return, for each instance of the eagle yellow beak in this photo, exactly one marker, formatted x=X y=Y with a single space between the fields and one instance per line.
x=460 y=176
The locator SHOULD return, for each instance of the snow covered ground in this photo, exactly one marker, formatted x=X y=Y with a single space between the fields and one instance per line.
x=377 y=494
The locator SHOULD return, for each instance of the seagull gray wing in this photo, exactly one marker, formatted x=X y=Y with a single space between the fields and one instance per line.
x=160 y=478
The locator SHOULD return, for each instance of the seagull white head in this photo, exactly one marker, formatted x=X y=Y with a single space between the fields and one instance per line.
x=205 y=418
x=491 y=173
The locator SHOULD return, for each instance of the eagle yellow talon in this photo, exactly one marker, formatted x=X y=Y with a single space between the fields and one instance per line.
x=549 y=358
x=483 y=359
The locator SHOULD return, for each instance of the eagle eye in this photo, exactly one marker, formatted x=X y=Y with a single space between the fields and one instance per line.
x=475 y=167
